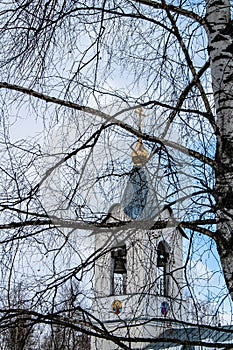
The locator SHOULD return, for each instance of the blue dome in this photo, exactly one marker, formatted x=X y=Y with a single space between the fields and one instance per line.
x=136 y=192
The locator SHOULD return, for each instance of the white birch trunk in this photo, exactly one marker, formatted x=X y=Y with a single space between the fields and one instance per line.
x=220 y=35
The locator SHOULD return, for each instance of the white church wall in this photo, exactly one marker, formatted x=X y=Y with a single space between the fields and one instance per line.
x=141 y=304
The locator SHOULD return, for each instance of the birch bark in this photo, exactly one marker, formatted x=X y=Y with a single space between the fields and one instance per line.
x=220 y=37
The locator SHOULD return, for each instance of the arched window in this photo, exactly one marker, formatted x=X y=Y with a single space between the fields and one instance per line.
x=119 y=271
x=162 y=268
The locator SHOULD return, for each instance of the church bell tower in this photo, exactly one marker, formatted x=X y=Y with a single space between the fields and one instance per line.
x=138 y=271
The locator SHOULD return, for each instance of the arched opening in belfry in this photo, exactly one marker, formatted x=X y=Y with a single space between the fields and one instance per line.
x=163 y=268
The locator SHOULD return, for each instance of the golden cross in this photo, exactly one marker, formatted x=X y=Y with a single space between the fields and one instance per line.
x=139 y=112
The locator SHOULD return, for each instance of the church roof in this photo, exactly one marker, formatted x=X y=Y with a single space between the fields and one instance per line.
x=186 y=335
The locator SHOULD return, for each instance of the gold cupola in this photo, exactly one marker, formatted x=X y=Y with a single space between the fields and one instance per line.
x=139 y=154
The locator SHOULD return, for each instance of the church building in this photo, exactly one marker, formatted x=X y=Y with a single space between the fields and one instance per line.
x=139 y=274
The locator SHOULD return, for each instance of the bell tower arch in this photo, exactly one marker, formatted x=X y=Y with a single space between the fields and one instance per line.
x=119 y=270
x=163 y=268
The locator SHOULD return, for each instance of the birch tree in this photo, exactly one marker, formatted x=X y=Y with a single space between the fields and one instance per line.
x=84 y=68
